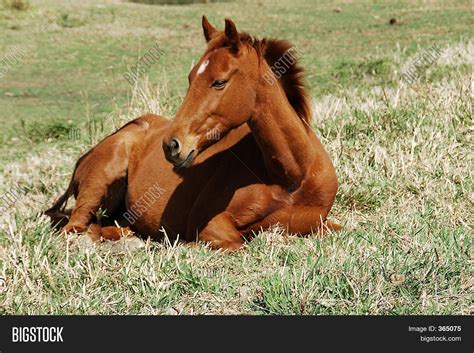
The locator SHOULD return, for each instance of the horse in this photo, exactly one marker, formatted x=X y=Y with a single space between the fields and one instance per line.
x=239 y=156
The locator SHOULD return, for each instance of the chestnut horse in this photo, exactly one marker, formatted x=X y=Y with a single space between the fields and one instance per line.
x=238 y=157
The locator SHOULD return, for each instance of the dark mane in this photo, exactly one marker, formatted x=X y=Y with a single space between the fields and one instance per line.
x=291 y=76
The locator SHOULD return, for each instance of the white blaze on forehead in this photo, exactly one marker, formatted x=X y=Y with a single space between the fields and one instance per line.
x=203 y=66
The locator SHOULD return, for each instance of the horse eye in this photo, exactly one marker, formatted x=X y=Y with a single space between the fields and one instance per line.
x=219 y=84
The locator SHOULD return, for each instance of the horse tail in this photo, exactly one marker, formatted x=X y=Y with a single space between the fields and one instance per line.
x=60 y=204
x=57 y=213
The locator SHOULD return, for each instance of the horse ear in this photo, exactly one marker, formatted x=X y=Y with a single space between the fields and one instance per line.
x=232 y=34
x=207 y=28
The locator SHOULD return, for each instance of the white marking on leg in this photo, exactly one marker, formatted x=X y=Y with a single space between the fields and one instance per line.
x=203 y=66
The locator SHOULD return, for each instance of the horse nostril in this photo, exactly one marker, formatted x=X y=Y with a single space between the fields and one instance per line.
x=175 y=147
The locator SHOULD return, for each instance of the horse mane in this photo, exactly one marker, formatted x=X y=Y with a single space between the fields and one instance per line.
x=291 y=78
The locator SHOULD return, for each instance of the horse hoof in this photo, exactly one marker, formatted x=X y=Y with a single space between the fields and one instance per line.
x=71 y=228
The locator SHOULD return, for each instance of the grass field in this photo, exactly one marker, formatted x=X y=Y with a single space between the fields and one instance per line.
x=403 y=154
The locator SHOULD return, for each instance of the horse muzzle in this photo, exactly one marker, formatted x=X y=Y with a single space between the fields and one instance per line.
x=176 y=155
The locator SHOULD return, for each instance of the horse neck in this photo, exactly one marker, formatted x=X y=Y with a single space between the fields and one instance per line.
x=281 y=135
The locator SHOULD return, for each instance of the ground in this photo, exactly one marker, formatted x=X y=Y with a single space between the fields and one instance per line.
x=403 y=153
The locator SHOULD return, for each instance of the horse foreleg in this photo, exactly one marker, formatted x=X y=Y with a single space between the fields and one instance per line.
x=301 y=220
x=221 y=233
